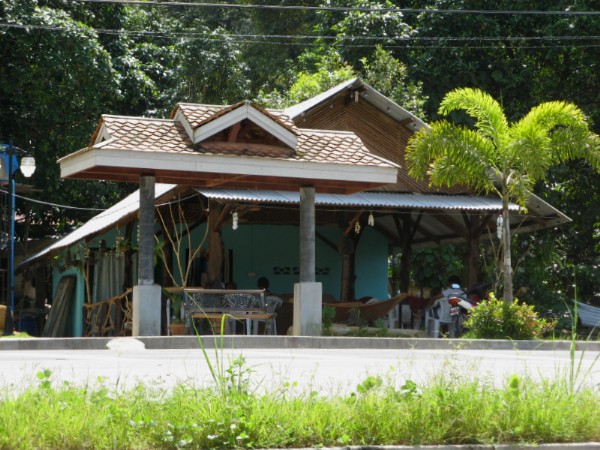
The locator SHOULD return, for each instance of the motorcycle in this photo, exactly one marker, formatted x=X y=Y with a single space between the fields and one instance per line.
x=461 y=303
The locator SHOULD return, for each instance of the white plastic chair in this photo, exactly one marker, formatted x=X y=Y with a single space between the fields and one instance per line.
x=273 y=304
x=406 y=316
x=439 y=314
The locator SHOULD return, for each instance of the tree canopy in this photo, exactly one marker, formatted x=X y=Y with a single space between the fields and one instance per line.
x=64 y=63
x=496 y=156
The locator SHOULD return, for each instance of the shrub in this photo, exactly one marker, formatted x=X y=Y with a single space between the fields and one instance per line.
x=493 y=319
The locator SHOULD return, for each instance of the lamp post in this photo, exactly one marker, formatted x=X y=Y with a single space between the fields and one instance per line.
x=8 y=166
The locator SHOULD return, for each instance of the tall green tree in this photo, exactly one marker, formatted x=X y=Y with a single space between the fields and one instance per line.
x=495 y=156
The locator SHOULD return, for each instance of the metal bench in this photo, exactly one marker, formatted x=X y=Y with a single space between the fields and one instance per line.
x=225 y=307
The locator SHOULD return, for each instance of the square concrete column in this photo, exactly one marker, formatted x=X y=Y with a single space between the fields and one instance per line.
x=146 y=315
x=308 y=300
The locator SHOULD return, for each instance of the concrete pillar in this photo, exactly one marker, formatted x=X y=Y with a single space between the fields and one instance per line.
x=308 y=294
x=146 y=310
x=146 y=232
x=307 y=234
x=308 y=305
x=146 y=315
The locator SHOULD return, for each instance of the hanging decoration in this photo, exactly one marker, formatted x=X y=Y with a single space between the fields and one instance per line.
x=235 y=219
x=357 y=227
x=499 y=225
x=371 y=220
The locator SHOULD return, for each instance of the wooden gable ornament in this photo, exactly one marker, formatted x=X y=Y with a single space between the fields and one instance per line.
x=243 y=128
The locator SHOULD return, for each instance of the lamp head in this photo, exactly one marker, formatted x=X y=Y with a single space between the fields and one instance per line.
x=27 y=166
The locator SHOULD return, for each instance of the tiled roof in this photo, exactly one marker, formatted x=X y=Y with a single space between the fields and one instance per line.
x=156 y=135
x=141 y=134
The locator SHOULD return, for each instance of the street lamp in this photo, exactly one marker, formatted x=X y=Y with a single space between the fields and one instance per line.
x=8 y=166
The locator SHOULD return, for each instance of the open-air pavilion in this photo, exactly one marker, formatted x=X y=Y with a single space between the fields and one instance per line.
x=336 y=159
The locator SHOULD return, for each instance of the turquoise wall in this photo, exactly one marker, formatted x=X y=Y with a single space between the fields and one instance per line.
x=274 y=252
x=372 y=265
x=75 y=323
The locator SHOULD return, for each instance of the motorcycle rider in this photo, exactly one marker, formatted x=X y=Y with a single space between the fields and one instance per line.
x=452 y=290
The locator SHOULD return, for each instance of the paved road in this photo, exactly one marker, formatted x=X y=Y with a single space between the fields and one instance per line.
x=325 y=370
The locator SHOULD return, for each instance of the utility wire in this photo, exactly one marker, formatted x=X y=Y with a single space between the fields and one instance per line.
x=210 y=35
x=342 y=8
x=54 y=205
x=348 y=41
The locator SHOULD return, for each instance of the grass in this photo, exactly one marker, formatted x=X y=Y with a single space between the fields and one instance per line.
x=445 y=411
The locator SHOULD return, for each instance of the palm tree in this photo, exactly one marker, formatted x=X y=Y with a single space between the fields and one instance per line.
x=495 y=156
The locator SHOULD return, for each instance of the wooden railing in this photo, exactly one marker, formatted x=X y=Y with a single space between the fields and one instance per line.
x=112 y=317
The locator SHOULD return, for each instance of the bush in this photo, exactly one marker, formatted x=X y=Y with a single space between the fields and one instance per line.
x=492 y=319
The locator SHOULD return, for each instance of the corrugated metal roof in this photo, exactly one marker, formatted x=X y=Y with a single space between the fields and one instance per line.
x=365 y=199
x=102 y=222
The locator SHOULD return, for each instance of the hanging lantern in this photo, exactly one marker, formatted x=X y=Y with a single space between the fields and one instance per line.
x=234 y=221
x=357 y=227
x=371 y=220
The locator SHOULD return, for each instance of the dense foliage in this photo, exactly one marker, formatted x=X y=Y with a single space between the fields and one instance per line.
x=494 y=319
x=66 y=62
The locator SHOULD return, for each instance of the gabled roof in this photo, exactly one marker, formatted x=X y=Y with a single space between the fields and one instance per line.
x=284 y=130
x=240 y=146
x=360 y=89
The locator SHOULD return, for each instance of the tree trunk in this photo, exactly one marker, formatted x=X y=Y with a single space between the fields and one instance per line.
x=346 y=249
x=474 y=236
x=506 y=252
x=215 y=247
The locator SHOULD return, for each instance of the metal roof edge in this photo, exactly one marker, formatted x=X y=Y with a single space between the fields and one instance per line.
x=98 y=224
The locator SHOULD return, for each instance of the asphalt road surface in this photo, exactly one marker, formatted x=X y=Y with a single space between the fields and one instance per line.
x=327 y=371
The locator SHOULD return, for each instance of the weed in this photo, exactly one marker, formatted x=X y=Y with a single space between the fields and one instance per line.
x=446 y=411
x=328 y=316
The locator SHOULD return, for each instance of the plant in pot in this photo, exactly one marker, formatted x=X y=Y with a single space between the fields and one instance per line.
x=178 y=326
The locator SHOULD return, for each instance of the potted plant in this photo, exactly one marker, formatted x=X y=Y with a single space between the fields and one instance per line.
x=178 y=326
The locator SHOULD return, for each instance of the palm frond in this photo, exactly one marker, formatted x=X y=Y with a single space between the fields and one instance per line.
x=549 y=115
x=520 y=188
x=450 y=155
x=575 y=143
x=487 y=112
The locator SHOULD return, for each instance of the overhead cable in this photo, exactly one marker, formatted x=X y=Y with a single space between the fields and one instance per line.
x=566 y=12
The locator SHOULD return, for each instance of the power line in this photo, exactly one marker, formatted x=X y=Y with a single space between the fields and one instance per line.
x=54 y=205
x=342 y=8
x=347 y=41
